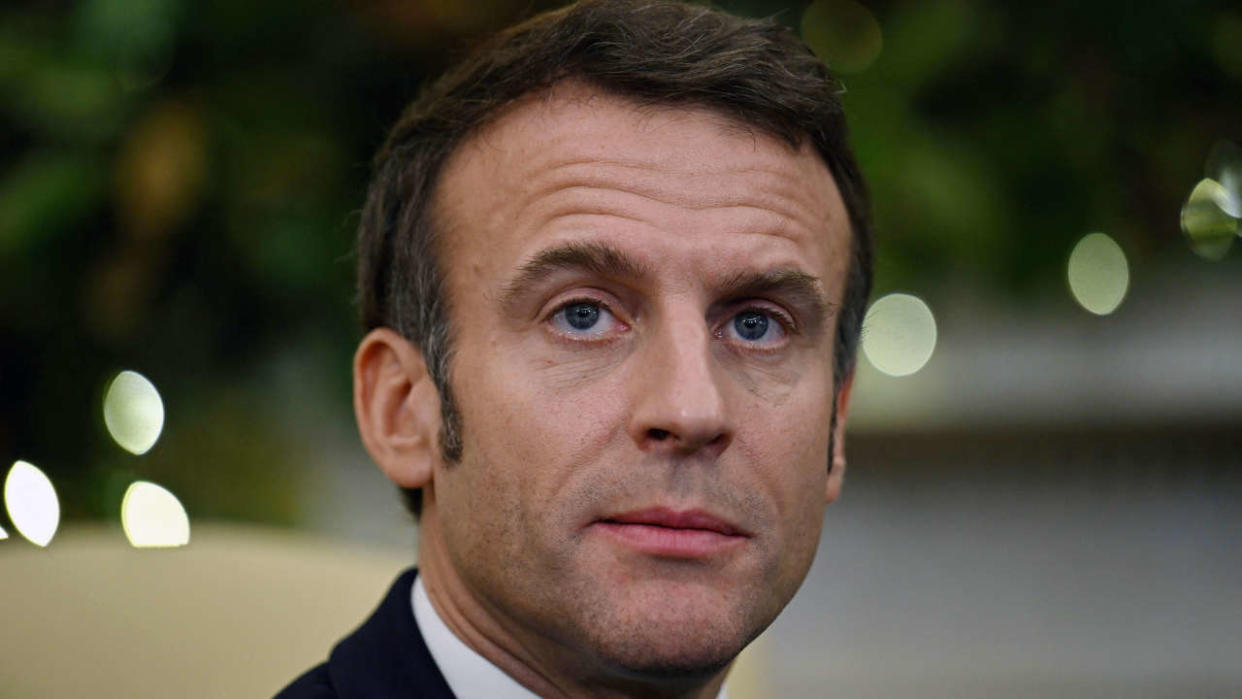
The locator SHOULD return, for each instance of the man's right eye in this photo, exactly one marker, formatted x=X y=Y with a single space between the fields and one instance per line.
x=584 y=319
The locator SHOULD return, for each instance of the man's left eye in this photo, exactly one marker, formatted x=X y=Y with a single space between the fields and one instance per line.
x=755 y=327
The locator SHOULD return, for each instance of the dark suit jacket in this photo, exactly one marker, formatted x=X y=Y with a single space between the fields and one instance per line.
x=385 y=658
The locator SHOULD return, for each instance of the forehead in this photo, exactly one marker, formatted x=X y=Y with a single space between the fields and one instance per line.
x=575 y=161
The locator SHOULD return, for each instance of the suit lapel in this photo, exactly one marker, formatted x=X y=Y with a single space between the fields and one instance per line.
x=386 y=658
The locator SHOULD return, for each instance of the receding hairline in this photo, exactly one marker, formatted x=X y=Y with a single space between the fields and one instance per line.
x=578 y=89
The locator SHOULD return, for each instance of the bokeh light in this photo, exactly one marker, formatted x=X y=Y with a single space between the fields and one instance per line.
x=133 y=412
x=1210 y=216
x=153 y=517
x=1206 y=222
x=3 y=534
x=31 y=502
x=1224 y=164
x=1098 y=274
x=843 y=33
x=899 y=334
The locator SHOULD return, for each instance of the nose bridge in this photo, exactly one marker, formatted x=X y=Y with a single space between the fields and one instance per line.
x=681 y=405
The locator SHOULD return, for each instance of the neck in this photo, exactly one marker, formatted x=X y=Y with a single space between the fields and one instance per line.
x=544 y=666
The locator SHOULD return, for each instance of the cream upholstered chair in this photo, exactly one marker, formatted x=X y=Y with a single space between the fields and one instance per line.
x=239 y=612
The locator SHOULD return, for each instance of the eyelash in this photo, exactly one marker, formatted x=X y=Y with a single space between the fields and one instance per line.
x=560 y=308
x=788 y=326
x=779 y=316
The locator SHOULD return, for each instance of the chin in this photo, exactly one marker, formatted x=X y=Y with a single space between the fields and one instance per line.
x=691 y=665
x=662 y=642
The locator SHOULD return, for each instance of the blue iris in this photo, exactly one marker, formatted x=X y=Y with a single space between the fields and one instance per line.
x=750 y=325
x=582 y=316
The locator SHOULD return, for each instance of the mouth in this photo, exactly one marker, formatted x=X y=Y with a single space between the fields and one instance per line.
x=671 y=533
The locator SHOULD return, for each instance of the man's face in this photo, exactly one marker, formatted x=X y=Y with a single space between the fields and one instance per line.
x=643 y=307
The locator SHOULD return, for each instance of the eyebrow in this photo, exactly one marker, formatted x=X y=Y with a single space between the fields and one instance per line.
x=596 y=258
x=797 y=288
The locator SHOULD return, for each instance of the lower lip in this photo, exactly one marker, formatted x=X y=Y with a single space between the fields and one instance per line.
x=669 y=541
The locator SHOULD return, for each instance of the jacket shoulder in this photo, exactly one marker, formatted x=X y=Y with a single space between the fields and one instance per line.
x=385 y=657
x=313 y=684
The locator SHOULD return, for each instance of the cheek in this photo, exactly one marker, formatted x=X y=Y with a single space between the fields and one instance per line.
x=790 y=442
x=531 y=423
x=803 y=486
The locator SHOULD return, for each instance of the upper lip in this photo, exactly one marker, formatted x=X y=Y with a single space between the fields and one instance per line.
x=677 y=519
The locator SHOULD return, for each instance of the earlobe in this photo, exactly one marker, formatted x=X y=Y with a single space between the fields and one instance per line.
x=836 y=474
x=397 y=407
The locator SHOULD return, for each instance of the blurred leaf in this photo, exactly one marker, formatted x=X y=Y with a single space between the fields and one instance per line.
x=118 y=28
x=1226 y=37
x=161 y=169
x=843 y=33
x=925 y=39
x=17 y=53
x=70 y=101
x=44 y=194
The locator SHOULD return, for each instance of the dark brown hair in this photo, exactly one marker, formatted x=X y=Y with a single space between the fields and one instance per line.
x=652 y=52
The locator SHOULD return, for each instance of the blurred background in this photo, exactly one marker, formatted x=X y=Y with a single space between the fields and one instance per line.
x=1045 y=480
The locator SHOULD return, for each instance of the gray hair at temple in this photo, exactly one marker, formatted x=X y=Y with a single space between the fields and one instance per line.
x=755 y=72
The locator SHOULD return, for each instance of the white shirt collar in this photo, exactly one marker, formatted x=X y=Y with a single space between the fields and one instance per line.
x=469 y=675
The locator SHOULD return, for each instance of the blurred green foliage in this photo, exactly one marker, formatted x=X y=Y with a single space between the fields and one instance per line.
x=179 y=183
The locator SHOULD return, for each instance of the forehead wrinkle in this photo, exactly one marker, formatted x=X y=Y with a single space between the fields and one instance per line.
x=619 y=209
x=592 y=194
x=526 y=139
x=787 y=195
x=757 y=192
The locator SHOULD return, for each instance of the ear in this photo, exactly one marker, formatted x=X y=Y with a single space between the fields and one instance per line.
x=397 y=407
x=836 y=475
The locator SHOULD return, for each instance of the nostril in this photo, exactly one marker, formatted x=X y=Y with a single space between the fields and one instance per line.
x=658 y=434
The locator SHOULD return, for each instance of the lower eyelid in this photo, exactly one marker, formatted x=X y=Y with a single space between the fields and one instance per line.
x=727 y=333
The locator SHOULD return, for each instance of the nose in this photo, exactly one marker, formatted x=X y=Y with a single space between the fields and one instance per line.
x=680 y=409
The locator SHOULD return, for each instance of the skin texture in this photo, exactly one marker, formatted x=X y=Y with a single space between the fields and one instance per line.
x=667 y=223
